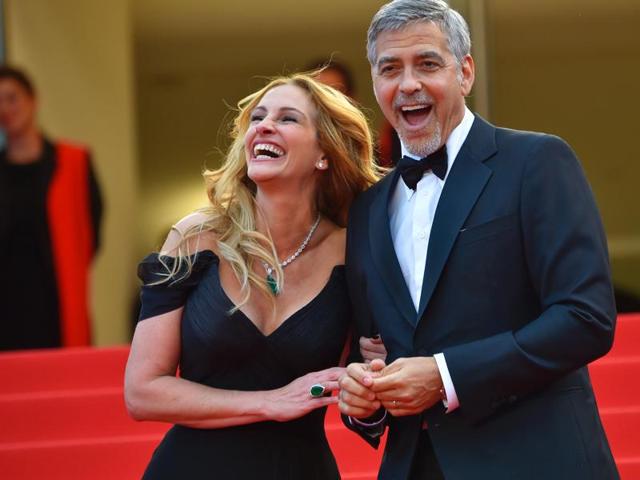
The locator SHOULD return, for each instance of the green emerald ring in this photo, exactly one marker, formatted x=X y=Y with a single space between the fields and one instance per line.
x=316 y=390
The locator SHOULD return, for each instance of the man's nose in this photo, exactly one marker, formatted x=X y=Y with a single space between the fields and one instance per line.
x=409 y=82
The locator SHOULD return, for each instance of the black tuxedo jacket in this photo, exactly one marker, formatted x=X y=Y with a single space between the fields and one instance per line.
x=518 y=297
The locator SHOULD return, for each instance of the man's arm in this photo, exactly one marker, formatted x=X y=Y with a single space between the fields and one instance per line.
x=371 y=425
x=566 y=256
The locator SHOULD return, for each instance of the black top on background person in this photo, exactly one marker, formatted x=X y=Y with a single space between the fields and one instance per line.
x=28 y=287
x=511 y=298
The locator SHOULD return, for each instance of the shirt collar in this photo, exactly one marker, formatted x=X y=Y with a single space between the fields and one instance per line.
x=453 y=145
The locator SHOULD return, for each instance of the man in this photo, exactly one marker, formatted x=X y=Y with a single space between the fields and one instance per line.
x=484 y=268
x=50 y=213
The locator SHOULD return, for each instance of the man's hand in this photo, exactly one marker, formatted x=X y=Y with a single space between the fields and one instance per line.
x=356 y=398
x=372 y=348
x=408 y=386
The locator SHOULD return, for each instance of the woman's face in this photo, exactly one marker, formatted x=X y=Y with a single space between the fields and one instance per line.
x=281 y=142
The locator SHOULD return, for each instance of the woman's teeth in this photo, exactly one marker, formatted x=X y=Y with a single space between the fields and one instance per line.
x=267 y=149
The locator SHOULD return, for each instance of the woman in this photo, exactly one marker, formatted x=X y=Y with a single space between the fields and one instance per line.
x=249 y=297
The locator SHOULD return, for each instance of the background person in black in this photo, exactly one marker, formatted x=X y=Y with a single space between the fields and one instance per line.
x=29 y=292
x=335 y=74
x=338 y=75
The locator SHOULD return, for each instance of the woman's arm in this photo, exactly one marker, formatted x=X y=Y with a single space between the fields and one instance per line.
x=153 y=392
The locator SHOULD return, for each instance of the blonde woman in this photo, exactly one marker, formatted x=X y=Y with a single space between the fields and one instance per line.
x=249 y=299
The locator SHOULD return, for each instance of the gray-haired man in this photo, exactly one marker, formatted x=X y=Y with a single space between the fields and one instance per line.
x=482 y=262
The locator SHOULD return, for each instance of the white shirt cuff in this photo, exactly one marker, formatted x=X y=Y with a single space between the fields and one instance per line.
x=451 y=403
x=356 y=421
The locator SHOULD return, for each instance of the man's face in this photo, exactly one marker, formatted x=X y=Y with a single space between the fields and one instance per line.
x=17 y=107
x=419 y=86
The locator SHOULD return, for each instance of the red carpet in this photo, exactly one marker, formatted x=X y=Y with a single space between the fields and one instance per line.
x=62 y=415
x=615 y=381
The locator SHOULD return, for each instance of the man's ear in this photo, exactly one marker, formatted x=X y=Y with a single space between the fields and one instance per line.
x=467 y=74
x=373 y=84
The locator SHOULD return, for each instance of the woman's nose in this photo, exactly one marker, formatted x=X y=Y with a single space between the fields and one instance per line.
x=265 y=126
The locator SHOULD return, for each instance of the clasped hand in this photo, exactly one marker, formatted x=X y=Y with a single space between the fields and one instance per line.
x=408 y=386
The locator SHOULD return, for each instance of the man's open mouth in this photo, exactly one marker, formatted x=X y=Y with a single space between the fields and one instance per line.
x=415 y=114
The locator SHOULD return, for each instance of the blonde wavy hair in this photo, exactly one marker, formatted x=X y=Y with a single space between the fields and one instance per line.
x=345 y=138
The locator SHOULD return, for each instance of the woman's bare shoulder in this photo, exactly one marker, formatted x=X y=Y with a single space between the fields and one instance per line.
x=335 y=243
x=192 y=233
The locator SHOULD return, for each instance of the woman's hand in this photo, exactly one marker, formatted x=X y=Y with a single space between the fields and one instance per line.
x=294 y=400
x=372 y=348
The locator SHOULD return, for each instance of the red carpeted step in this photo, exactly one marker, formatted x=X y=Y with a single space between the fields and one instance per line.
x=69 y=415
x=59 y=419
x=122 y=458
x=62 y=369
x=89 y=413
x=62 y=415
x=612 y=381
x=125 y=457
x=629 y=468
x=627 y=338
x=622 y=425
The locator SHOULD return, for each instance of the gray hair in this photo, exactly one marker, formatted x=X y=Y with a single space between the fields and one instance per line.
x=399 y=14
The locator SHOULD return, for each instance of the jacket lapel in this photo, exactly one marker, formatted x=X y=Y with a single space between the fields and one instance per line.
x=383 y=252
x=464 y=184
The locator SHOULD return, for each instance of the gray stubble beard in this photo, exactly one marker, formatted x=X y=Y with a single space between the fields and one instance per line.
x=429 y=145
x=423 y=148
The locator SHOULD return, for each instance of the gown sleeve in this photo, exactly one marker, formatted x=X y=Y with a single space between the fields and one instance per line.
x=157 y=299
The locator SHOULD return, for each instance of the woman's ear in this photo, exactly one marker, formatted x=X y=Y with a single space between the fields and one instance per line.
x=322 y=164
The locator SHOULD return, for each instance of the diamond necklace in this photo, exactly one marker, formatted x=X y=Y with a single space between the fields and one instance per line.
x=271 y=282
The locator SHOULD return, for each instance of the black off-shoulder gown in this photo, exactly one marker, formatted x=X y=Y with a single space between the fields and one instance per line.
x=228 y=351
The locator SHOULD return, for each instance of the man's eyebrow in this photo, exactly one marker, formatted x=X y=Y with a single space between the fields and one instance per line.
x=427 y=54
x=386 y=59
x=430 y=54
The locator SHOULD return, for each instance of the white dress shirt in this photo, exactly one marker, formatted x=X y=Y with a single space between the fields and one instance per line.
x=410 y=220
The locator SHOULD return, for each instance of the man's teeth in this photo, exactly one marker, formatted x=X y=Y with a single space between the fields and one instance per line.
x=411 y=108
x=267 y=149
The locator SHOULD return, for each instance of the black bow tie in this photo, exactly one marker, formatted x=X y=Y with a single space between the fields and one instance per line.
x=412 y=170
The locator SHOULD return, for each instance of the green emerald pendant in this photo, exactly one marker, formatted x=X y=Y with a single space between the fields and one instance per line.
x=273 y=285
